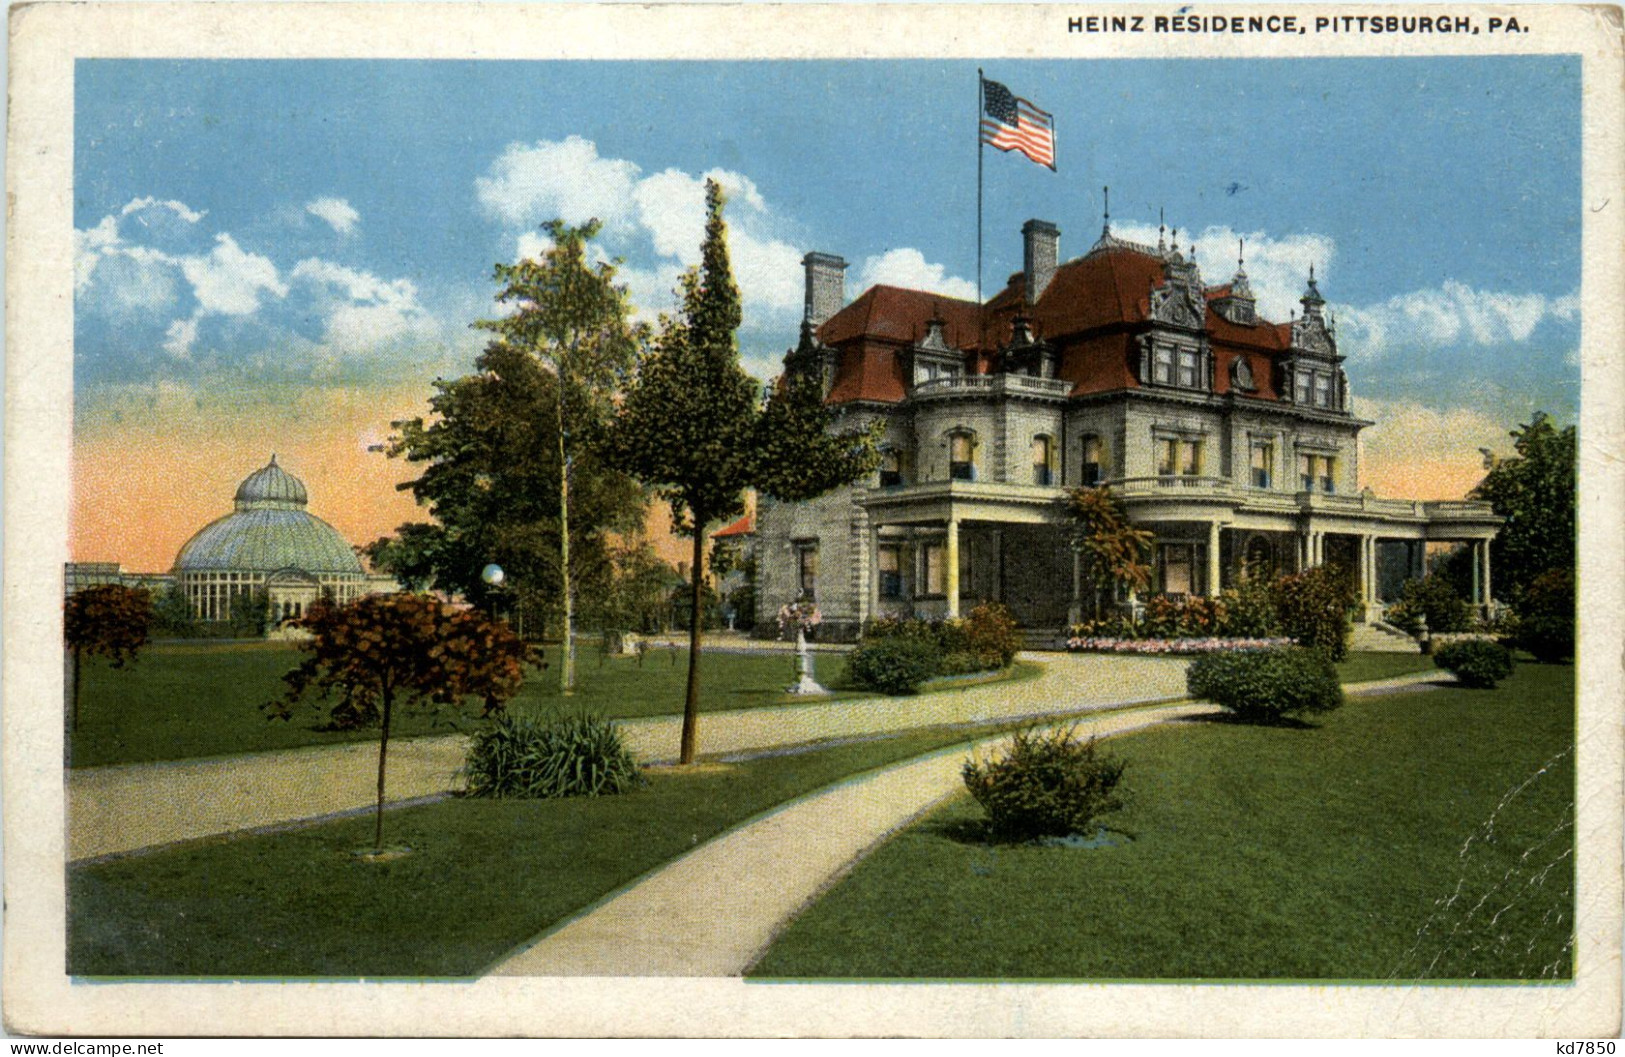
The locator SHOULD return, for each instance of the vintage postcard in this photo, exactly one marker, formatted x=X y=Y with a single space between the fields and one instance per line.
x=813 y=520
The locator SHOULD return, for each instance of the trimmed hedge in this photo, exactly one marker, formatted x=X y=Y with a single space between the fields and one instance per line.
x=1476 y=663
x=519 y=757
x=1047 y=784
x=1267 y=685
x=894 y=666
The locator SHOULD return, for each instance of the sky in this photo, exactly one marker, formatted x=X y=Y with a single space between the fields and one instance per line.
x=280 y=256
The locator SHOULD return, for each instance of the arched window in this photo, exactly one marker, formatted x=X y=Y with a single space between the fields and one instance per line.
x=1093 y=473
x=891 y=468
x=1043 y=460
x=962 y=456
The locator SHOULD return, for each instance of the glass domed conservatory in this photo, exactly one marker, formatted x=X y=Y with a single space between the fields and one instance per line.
x=269 y=543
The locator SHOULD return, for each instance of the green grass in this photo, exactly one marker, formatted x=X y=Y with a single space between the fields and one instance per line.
x=485 y=876
x=1418 y=835
x=186 y=700
x=1364 y=667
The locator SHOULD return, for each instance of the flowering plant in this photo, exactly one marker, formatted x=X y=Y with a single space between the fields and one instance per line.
x=1094 y=644
x=802 y=616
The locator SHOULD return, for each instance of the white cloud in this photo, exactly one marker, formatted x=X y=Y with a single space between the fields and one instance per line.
x=908 y=268
x=180 y=209
x=531 y=245
x=180 y=337
x=1453 y=313
x=362 y=310
x=88 y=246
x=339 y=214
x=529 y=184
x=229 y=280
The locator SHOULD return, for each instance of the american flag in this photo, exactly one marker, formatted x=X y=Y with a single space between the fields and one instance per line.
x=1011 y=123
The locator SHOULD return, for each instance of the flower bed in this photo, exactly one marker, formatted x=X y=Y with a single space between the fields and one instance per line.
x=1099 y=644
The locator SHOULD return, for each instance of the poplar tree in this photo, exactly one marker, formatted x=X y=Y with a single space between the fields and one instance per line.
x=696 y=428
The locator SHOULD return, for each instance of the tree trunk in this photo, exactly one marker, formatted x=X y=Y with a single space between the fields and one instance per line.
x=691 y=702
x=73 y=700
x=383 y=756
x=567 y=663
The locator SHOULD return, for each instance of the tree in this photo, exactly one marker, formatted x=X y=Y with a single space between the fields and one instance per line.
x=514 y=471
x=1313 y=607
x=573 y=318
x=406 y=649
x=1114 y=551
x=693 y=427
x=109 y=620
x=1535 y=492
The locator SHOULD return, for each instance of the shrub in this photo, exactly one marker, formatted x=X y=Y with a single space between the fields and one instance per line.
x=991 y=634
x=894 y=666
x=1477 y=663
x=1047 y=784
x=1249 y=610
x=1435 y=599
x=1314 y=608
x=1266 y=685
x=519 y=757
x=1546 y=616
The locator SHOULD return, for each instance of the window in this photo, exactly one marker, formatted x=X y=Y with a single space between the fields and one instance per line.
x=1091 y=461
x=936 y=582
x=1190 y=368
x=961 y=457
x=889 y=559
x=1163 y=370
x=1178 y=569
x=1323 y=390
x=1043 y=471
x=1190 y=463
x=1317 y=472
x=891 y=468
x=1263 y=462
x=807 y=570
x=1179 y=457
x=1301 y=392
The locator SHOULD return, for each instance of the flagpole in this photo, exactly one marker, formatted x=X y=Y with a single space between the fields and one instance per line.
x=981 y=104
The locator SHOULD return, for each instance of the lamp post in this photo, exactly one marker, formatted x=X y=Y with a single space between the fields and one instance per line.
x=494 y=578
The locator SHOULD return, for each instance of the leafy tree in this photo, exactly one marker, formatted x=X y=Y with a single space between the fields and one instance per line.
x=1535 y=491
x=406 y=649
x=693 y=427
x=1545 y=625
x=109 y=620
x=172 y=614
x=1115 y=553
x=1435 y=599
x=514 y=469
x=571 y=317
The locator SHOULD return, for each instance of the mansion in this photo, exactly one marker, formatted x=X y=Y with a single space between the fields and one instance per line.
x=1229 y=436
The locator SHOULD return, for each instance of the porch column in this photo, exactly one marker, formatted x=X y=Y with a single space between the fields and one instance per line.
x=874 y=575
x=996 y=574
x=950 y=558
x=1212 y=560
x=1489 y=596
x=1074 y=613
x=1478 y=575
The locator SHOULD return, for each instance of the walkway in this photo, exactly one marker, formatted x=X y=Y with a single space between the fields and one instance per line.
x=715 y=910
x=124 y=808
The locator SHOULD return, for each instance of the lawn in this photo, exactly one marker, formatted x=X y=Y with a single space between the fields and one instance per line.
x=486 y=876
x=1365 y=667
x=182 y=700
x=1417 y=835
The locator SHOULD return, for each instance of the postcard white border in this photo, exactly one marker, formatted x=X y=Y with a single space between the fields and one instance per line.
x=40 y=998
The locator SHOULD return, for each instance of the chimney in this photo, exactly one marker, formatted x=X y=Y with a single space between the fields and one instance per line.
x=1042 y=251
x=826 y=287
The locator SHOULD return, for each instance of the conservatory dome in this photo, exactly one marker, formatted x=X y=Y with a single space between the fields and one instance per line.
x=270 y=544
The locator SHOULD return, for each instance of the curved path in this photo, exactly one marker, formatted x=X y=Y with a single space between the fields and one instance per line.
x=714 y=911
x=125 y=808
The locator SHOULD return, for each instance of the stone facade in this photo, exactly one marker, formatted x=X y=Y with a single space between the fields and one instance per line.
x=1229 y=436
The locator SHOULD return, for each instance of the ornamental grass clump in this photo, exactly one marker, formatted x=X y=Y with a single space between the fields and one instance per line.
x=521 y=758
x=1476 y=663
x=1267 y=685
x=1047 y=784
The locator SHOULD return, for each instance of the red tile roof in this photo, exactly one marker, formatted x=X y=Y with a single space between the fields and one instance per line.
x=1088 y=310
x=745 y=526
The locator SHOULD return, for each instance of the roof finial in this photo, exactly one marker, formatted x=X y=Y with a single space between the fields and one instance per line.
x=273 y=458
x=1106 y=221
x=1241 y=255
x=1311 y=271
x=1162 y=227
